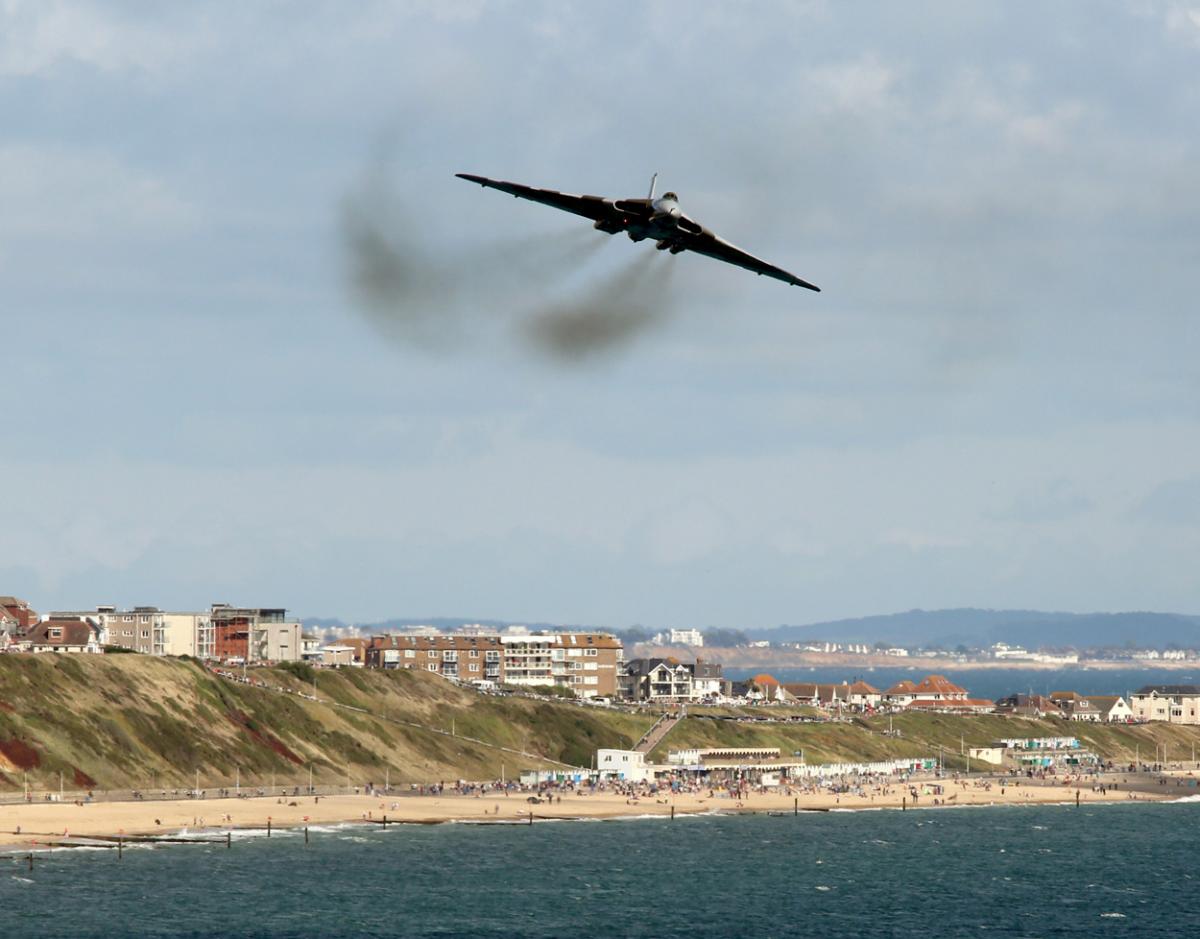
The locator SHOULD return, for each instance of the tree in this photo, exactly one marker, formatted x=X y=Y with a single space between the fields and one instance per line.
x=725 y=637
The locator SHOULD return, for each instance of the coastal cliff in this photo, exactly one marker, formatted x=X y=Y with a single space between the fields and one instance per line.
x=137 y=722
x=141 y=722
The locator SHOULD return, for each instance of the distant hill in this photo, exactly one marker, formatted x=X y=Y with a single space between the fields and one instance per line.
x=406 y=622
x=972 y=627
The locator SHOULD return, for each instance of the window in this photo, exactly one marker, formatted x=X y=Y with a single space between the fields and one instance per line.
x=432 y=666
x=409 y=653
x=591 y=652
x=474 y=653
x=432 y=653
x=474 y=667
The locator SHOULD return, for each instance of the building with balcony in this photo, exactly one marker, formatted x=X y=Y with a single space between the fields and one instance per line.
x=1174 y=704
x=585 y=663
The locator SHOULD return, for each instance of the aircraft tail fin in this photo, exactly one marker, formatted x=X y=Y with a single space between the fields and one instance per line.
x=653 y=181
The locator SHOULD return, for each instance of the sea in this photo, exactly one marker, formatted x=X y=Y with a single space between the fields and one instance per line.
x=1125 y=869
x=991 y=683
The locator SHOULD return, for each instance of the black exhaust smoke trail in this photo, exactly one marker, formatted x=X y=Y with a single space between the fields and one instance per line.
x=474 y=293
x=609 y=316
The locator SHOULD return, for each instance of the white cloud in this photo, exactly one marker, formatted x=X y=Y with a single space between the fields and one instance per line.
x=38 y=36
x=861 y=86
x=1183 y=21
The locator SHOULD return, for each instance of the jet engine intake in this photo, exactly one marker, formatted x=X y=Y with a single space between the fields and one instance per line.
x=607 y=226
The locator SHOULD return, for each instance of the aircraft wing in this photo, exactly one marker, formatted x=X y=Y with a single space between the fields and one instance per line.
x=711 y=246
x=593 y=207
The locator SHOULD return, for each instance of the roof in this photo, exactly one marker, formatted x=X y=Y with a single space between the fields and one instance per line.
x=357 y=642
x=1168 y=689
x=73 y=632
x=639 y=667
x=568 y=640
x=861 y=687
x=1028 y=702
x=393 y=641
x=934 y=704
x=938 y=684
x=705 y=669
x=904 y=686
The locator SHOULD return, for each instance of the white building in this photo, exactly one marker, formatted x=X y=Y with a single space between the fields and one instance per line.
x=680 y=637
x=1002 y=650
x=177 y=633
x=1175 y=704
x=629 y=765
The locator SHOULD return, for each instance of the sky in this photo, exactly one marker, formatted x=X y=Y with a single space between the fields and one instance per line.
x=993 y=402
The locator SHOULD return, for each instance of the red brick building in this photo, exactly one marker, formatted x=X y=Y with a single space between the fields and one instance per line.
x=16 y=616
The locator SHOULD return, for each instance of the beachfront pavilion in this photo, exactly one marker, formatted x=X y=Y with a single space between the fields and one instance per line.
x=719 y=772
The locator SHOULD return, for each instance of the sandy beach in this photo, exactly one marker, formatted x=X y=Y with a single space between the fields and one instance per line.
x=44 y=824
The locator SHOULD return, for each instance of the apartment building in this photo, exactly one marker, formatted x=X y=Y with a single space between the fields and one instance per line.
x=586 y=663
x=463 y=658
x=1175 y=704
x=249 y=634
x=223 y=632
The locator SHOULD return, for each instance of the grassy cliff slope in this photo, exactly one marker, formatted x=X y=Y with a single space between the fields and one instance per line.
x=924 y=734
x=131 y=721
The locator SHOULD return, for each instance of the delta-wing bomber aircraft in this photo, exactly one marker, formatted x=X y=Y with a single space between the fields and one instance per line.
x=659 y=219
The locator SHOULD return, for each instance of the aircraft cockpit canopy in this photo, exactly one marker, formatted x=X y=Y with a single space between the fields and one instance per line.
x=671 y=196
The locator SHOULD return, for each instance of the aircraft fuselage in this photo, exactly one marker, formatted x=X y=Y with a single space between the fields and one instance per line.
x=666 y=223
